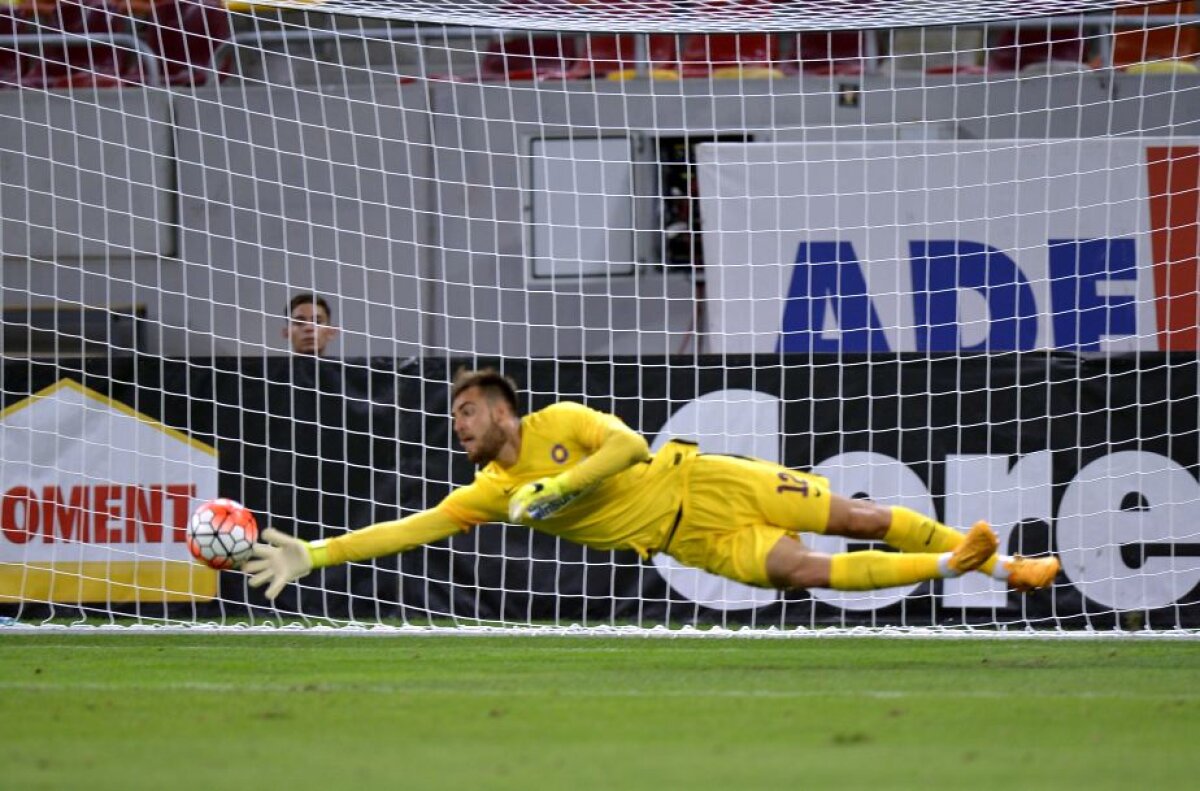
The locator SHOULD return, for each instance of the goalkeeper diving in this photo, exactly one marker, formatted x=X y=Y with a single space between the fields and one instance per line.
x=584 y=475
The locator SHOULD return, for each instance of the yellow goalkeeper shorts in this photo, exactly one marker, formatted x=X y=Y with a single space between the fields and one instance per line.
x=736 y=509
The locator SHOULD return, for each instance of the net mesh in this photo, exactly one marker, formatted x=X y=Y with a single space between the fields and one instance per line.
x=943 y=254
x=687 y=16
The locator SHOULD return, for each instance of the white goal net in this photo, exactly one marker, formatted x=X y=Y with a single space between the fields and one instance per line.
x=942 y=253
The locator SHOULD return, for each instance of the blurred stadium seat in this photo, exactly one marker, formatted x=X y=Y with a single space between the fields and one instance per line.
x=1158 y=42
x=528 y=57
x=185 y=35
x=585 y=56
x=935 y=50
x=610 y=55
x=731 y=55
x=15 y=61
x=1019 y=49
x=90 y=64
x=833 y=52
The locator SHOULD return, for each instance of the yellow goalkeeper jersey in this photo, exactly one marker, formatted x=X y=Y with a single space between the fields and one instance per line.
x=633 y=508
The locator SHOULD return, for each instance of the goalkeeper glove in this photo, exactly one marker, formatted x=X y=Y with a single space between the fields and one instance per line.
x=538 y=500
x=279 y=562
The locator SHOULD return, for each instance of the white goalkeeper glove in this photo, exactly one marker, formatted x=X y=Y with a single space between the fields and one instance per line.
x=279 y=562
x=538 y=500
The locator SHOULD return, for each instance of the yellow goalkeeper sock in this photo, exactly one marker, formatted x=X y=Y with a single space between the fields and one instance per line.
x=914 y=532
x=860 y=571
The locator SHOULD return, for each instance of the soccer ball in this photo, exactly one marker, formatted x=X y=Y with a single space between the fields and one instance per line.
x=221 y=533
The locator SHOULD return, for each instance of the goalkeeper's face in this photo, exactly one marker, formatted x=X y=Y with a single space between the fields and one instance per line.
x=478 y=426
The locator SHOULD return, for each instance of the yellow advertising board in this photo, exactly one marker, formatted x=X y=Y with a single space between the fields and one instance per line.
x=94 y=502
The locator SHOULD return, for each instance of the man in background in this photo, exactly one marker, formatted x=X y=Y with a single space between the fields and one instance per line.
x=310 y=324
x=328 y=451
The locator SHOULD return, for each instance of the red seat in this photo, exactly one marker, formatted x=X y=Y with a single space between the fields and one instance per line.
x=1156 y=42
x=600 y=55
x=1029 y=46
x=571 y=56
x=831 y=52
x=705 y=53
x=16 y=61
x=527 y=57
x=562 y=56
x=958 y=68
x=185 y=35
x=94 y=64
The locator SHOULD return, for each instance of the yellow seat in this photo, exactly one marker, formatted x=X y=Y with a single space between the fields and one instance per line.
x=251 y=6
x=746 y=73
x=1173 y=66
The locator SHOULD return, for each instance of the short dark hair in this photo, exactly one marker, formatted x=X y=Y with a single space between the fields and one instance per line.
x=490 y=382
x=307 y=297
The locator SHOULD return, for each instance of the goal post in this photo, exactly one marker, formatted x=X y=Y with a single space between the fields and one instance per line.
x=944 y=254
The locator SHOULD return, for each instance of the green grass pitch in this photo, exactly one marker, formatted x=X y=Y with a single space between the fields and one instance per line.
x=288 y=712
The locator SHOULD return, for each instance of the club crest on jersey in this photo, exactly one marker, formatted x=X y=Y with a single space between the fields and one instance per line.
x=559 y=453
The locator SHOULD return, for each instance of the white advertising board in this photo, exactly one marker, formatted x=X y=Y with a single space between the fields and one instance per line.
x=951 y=245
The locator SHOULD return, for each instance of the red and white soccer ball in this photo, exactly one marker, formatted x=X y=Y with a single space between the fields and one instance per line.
x=221 y=533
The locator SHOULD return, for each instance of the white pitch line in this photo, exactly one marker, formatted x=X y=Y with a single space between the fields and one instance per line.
x=769 y=694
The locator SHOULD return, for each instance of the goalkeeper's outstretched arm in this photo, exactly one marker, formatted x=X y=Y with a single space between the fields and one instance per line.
x=622 y=447
x=285 y=558
x=615 y=447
